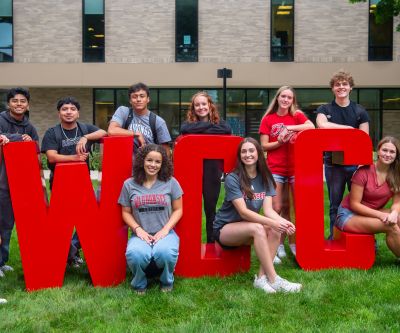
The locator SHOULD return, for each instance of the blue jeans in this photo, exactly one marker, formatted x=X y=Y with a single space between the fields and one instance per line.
x=164 y=253
x=337 y=176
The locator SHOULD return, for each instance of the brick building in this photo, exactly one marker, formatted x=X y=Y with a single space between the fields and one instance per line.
x=94 y=49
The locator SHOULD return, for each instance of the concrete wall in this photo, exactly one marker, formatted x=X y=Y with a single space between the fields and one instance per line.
x=43 y=112
x=331 y=31
x=140 y=31
x=47 y=31
x=234 y=31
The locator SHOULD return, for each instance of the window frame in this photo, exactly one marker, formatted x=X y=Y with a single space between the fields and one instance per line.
x=12 y=34
x=289 y=59
x=84 y=48
x=372 y=47
x=177 y=43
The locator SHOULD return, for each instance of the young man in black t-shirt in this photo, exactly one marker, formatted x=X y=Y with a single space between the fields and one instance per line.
x=69 y=141
x=341 y=113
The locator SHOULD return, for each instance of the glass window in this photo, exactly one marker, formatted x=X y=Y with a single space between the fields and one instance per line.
x=122 y=98
x=380 y=41
x=186 y=33
x=6 y=31
x=309 y=100
x=282 y=30
x=104 y=107
x=3 y=100
x=256 y=105
x=93 y=31
x=169 y=110
x=235 y=111
x=391 y=99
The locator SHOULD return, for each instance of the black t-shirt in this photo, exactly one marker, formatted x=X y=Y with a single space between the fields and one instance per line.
x=69 y=140
x=352 y=115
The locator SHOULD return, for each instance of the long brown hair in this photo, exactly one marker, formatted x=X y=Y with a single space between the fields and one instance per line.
x=393 y=176
x=213 y=116
x=262 y=168
x=139 y=175
x=274 y=105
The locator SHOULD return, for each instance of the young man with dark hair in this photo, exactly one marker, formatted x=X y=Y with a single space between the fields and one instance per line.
x=69 y=141
x=14 y=126
x=138 y=121
x=341 y=113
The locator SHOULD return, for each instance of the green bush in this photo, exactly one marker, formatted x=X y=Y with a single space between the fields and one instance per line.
x=94 y=161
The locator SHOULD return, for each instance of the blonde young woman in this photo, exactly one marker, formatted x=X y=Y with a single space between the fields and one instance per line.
x=362 y=210
x=278 y=129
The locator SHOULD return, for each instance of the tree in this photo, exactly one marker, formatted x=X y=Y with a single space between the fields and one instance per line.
x=385 y=9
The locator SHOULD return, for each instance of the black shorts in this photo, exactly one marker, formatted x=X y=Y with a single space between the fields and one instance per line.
x=216 y=234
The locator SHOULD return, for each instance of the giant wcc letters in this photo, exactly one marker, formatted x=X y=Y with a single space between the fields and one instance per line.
x=313 y=251
x=46 y=230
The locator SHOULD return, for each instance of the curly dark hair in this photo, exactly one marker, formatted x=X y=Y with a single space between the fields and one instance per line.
x=139 y=174
x=262 y=168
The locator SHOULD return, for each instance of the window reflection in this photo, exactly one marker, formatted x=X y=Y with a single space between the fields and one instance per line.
x=93 y=31
x=186 y=34
x=246 y=107
x=380 y=36
x=6 y=31
x=282 y=30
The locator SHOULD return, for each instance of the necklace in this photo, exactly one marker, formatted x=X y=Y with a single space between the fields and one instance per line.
x=67 y=138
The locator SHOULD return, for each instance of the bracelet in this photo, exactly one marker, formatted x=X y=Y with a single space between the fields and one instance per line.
x=136 y=228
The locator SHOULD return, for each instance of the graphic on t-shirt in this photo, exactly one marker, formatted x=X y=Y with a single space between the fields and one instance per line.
x=70 y=142
x=142 y=202
x=138 y=126
x=256 y=196
x=276 y=129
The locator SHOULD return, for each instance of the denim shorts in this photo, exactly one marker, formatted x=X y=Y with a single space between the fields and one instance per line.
x=283 y=179
x=342 y=217
x=216 y=234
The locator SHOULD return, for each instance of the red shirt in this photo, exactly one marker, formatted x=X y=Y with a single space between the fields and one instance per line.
x=280 y=160
x=374 y=196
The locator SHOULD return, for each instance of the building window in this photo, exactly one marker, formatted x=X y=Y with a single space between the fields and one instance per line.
x=6 y=31
x=282 y=30
x=186 y=30
x=93 y=31
x=380 y=41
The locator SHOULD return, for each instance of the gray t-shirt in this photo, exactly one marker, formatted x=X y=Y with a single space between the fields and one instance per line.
x=228 y=213
x=142 y=124
x=151 y=208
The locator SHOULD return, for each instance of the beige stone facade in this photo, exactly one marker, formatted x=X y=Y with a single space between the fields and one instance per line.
x=140 y=46
x=47 y=31
x=43 y=111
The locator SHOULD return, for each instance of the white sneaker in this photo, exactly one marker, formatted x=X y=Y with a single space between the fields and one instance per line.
x=6 y=268
x=3 y=301
x=1 y=274
x=293 y=249
x=262 y=283
x=277 y=261
x=281 y=251
x=281 y=284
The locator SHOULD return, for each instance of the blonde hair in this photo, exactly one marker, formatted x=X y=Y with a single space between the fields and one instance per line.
x=274 y=106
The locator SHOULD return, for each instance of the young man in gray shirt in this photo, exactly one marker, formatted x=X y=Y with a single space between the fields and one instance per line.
x=138 y=121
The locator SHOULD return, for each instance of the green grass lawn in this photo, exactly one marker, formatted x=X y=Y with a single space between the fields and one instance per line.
x=332 y=300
